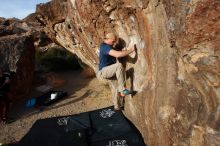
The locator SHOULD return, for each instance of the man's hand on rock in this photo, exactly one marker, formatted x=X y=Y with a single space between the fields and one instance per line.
x=134 y=48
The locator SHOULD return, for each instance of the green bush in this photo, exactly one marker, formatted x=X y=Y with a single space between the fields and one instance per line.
x=56 y=59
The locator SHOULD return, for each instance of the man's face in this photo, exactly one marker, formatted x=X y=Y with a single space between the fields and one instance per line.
x=112 y=41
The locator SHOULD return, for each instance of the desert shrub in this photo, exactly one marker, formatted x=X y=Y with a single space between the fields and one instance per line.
x=56 y=59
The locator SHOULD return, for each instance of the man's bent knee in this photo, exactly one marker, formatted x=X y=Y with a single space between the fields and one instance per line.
x=120 y=66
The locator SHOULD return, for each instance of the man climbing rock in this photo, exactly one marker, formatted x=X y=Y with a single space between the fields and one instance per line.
x=110 y=68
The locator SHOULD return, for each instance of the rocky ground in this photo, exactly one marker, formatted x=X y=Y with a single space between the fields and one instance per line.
x=84 y=94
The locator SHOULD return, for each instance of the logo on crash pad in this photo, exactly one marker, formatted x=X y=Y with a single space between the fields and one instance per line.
x=63 y=121
x=107 y=113
x=117 y=143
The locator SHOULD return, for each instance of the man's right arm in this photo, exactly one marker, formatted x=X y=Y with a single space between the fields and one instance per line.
x=119 y=54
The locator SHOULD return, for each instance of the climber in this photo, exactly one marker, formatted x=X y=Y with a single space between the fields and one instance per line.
x=110 y=67
x=4 y=94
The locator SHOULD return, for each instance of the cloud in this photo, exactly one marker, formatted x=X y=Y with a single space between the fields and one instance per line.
x=18 y=8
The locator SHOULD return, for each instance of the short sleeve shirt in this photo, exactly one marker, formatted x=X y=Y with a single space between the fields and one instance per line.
x=104 y=58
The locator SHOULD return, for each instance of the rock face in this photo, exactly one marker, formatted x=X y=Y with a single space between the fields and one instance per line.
x=177 y=67
x=17 y=55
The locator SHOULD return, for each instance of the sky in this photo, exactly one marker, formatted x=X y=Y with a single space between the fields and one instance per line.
x=18 y=8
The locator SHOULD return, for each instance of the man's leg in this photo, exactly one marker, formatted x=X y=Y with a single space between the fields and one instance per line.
x=117 y=70
x=113 y=84
x=110 y=72
x=4 y=111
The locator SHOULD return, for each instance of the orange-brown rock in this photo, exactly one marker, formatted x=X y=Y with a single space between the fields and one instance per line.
x=177 y=68
x=17 y=54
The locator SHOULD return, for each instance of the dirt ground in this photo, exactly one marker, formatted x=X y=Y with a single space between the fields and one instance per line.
x=84 y=94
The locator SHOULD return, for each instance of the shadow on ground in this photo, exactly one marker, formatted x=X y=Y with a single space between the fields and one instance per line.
x=68 y=81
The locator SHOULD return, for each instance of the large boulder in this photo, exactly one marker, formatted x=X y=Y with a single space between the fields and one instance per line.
x=176 y=70
x=17 y=53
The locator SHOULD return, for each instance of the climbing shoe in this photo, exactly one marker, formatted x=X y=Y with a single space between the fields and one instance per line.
x=125 y=92
x=117 y=109
x=121 y=108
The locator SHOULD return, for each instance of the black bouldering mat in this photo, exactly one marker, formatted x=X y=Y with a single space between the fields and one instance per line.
x=108 y=124
x=103 y=127
x=128 y=139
